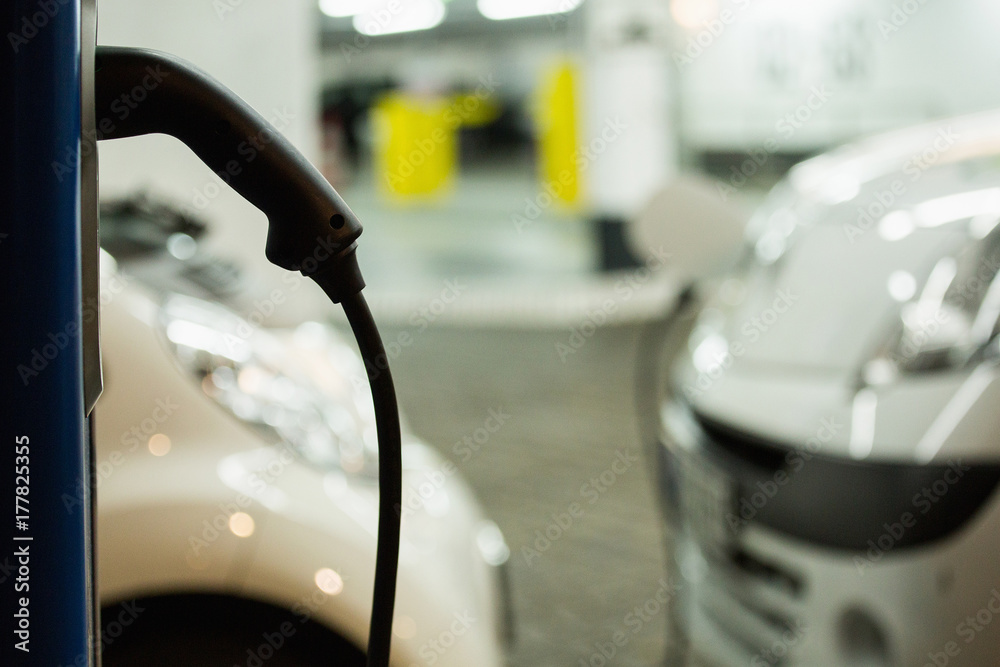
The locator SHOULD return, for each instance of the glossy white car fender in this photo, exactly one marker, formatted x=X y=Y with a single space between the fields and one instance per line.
x=192 y=501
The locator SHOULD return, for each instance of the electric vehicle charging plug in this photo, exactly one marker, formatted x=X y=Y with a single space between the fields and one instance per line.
x=310 y=229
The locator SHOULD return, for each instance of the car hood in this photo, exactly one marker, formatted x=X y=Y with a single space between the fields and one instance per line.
x=826 y=305
x=782 y=344
x=825 y=283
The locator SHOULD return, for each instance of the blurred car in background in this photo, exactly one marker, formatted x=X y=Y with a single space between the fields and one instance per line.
x=832 y=433
x=237 y=481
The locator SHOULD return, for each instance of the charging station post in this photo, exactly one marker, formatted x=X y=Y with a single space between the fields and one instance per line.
x=46 y=605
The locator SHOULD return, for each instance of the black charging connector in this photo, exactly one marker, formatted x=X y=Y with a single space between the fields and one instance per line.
x=310 y=229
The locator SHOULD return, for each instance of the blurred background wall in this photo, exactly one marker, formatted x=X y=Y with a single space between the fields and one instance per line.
x=699 y=84
x=267 y=53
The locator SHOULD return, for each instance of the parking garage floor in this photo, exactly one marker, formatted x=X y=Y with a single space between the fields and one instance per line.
x=567 y=452
x=515 y=321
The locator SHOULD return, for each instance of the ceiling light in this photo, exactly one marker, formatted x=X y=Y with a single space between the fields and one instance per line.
x=343 y=8
x=395 y=16
x=502 y=10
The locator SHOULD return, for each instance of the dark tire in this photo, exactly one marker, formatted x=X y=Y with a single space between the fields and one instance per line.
x=216 y=631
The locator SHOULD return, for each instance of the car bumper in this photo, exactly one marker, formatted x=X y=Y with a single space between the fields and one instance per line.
x=752 y=594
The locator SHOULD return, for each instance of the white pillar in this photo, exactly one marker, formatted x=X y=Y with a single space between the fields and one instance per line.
x=268 y=53
x=627 y=110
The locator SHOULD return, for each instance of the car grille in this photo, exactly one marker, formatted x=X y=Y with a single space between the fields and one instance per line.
x=740 y=606
x=742 y=610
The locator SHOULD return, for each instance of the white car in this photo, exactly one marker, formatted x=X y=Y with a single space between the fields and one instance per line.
x=237 y=499
x=832 y=438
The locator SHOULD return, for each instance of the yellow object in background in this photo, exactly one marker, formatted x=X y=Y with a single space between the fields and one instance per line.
x=558 y=134
x=416 y=150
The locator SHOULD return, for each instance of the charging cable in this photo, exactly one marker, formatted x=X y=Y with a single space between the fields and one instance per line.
x=310 y=229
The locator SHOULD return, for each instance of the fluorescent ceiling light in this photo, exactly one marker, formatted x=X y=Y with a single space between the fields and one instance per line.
x=343 y=8
x=501 y=10
x=387 y=17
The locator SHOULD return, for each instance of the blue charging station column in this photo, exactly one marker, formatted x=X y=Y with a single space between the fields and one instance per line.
x=46 y=597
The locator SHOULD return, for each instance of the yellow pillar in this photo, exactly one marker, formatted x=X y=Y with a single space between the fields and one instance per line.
x=415 y=147
x=558 y=134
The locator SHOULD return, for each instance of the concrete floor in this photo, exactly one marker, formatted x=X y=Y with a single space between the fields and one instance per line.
x=569 y=421
x=572 y=416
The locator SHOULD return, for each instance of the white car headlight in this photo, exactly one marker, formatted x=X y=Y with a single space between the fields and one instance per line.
x=949 y=322
x=256 y=378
